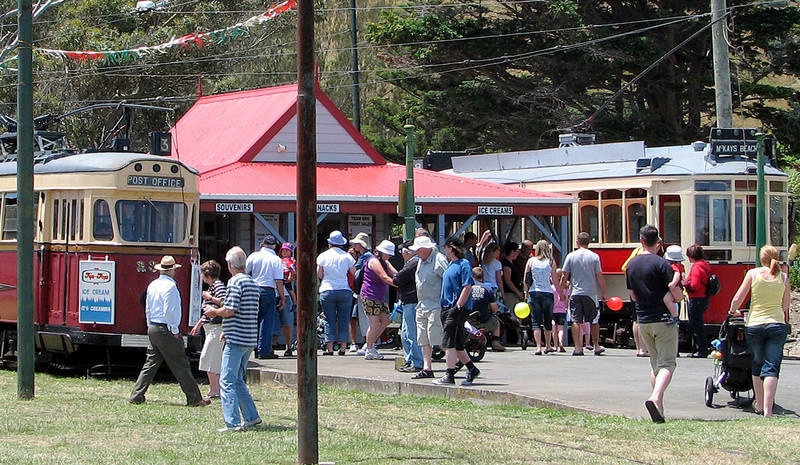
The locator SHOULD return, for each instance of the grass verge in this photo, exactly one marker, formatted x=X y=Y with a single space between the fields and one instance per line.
x=89 y=421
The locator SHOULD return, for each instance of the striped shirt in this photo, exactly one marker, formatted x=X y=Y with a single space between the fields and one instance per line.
x=217 y=290
x=242 y=327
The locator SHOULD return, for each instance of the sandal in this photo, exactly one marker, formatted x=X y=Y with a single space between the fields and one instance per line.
x=328 y=352
x=341 y=352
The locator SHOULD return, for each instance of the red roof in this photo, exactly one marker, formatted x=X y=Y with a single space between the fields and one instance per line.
x=244 y=145
x=362 y=183
x=260 y=125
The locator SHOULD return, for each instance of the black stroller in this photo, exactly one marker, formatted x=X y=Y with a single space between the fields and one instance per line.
x=732 y=364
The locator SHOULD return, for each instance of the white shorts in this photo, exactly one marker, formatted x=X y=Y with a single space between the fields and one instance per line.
x=429 y=327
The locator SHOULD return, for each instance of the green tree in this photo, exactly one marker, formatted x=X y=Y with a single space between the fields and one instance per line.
x=507 y=75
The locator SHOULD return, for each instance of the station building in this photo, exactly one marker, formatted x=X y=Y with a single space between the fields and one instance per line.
x=245 y=146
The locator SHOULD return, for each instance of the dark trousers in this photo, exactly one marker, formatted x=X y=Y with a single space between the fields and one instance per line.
x=696 y=308
x=165 y=347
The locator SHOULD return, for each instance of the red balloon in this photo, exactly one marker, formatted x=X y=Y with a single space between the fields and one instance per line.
x=614 y=304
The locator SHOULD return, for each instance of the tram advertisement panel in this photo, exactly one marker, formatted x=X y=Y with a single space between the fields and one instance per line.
x=97 y=292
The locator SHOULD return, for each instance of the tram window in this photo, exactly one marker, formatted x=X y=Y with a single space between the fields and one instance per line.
x=10 y=217
x=151 y=221
x=722 y=220
x=101 y=221
x=589 y=222
x=712 y=219
x=751 y=220
x=777 y=220
x=738 y=220
x=73 y=227
x=777 y=186
x=712 y=186
x=745 y=185
x=55 y=218
x=636 y=219
x=612 y=223
x=670 y=221
x=701 y=219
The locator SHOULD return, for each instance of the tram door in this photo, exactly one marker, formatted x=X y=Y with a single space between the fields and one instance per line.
x=669 y=218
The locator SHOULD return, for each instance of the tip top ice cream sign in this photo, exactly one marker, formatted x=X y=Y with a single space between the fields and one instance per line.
x=97 y=292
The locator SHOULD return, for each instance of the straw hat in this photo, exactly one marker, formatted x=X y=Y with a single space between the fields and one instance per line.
x=362 y=239
x=167 y=263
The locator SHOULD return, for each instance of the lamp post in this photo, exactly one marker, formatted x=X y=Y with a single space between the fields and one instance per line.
x=761 y=214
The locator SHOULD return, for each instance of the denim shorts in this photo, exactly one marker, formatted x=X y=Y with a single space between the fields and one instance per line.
x=766 y=344
x=541 y=310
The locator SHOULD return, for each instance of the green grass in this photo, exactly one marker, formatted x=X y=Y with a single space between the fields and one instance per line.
x=89 y=421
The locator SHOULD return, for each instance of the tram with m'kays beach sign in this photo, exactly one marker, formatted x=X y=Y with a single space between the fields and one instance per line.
x=703 y=193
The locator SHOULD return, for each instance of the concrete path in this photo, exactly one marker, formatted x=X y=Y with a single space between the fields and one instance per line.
x=615 y=384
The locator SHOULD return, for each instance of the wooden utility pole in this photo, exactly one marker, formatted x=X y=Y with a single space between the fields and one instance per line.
x=26 y=355
x=722 y=66
x=307 y=406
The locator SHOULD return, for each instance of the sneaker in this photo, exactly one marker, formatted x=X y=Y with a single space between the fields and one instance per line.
x=288 y=353
x=423 y=374
x=353 y=348
x=362 y=350
x=409 y=369
x=445 y=380
x=471 y=375
x=373 y=354
x=230 y=429
x=252 y=423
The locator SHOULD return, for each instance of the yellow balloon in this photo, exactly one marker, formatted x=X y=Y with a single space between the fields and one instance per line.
x=522 y=310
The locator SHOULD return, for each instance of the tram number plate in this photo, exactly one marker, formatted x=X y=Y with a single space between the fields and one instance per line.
x=155 y=181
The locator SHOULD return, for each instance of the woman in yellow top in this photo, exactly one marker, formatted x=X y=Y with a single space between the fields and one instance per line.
x=767 y=322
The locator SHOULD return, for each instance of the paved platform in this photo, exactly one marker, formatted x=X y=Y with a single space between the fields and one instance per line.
x=615 y=384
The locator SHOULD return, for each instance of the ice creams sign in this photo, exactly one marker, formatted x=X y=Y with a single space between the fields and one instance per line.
x=96 y=292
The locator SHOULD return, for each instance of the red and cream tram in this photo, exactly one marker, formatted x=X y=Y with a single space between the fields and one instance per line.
x=691 y=194
x=103 y=220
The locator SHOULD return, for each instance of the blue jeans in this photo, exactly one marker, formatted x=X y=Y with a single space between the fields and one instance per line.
x=696 y=308
x=408 y=335
x=766 y=344
x=336 y=305
x=267 y=320
x=234 y=394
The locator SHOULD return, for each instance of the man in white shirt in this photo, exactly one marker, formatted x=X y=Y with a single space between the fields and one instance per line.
x=163 y=313
x=266 y=269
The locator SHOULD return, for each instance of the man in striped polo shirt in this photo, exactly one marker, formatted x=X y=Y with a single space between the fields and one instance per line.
x=240 y=332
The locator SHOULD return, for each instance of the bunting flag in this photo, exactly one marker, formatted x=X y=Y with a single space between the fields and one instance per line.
x=198 y=39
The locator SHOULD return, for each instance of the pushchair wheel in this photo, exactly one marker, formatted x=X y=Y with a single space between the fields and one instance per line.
x=710 y=391
x=523 y=339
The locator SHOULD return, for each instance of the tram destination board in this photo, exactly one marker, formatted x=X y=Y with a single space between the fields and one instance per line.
x=730 y=142
x=155 y=181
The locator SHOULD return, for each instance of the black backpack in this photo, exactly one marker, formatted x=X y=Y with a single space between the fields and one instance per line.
x=713 y=286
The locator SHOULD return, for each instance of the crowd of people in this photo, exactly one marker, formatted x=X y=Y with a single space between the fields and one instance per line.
x=440 y=291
